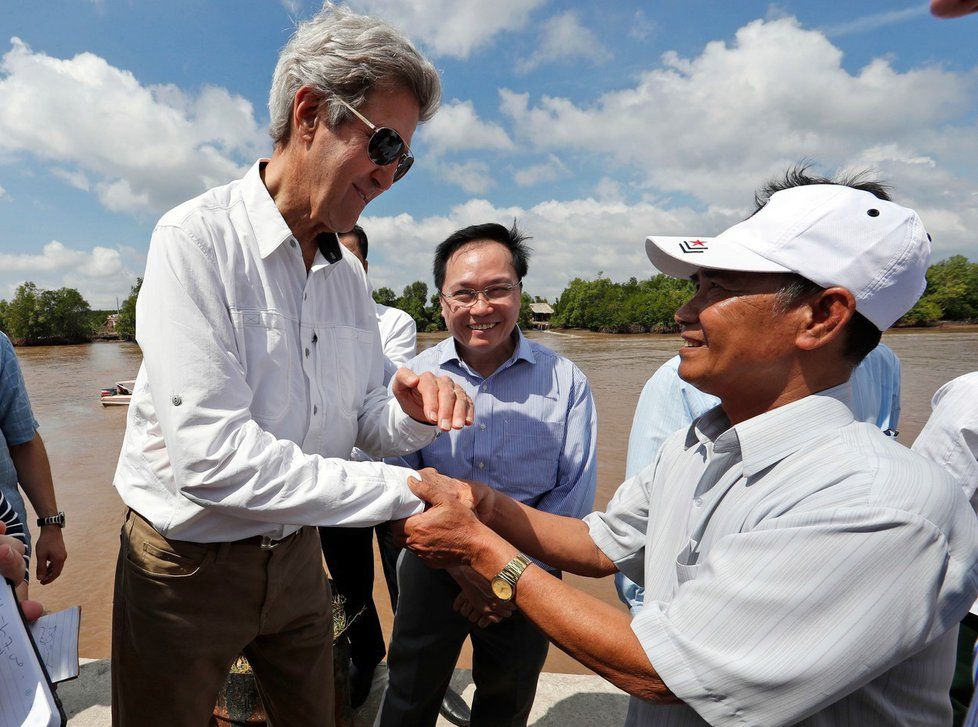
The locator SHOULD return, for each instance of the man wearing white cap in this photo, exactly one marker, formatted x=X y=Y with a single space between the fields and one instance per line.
x=800 y=567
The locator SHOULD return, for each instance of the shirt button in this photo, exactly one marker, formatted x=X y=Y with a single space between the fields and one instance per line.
x=315 y=409
x=482 y=425
x=292 y=243
x=484 y=387
x=307 y=353
x=698 y=502
x=304 y=295
x=176 y=400
x=314 y=338
x=480 y=465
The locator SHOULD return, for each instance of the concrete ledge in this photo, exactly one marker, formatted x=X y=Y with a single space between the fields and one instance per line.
x=563 y=700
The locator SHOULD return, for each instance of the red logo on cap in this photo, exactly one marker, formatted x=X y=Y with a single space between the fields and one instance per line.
x=688 y=246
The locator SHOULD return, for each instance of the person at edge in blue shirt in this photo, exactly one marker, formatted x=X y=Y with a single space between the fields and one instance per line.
x=668 y=404
x=534 y=438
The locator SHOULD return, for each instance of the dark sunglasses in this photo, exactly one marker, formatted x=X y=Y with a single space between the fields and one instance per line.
x=385 y=146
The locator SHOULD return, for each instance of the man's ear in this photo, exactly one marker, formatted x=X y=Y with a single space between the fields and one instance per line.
x=828 y=313
x=305 y=112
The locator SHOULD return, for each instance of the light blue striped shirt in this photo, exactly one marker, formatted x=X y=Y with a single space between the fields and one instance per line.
x=534 y=437
x=17 y=424
x=668 y=404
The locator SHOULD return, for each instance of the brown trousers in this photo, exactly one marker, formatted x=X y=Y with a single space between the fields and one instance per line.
x=182 y=612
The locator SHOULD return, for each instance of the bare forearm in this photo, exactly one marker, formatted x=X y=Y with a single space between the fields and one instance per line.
x=562 y=542
x=34 y=475
x=594 y=633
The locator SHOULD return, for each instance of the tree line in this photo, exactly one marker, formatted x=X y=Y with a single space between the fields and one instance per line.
x=37 y=316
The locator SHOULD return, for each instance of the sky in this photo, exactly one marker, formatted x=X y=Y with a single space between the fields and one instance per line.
x=591 y=124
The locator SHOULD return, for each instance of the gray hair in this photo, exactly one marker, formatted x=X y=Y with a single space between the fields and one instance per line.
x=342 y=53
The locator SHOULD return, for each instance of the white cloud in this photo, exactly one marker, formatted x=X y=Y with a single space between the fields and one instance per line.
x=563 y=37
x=100 y=274
x=454 y=28
x=55 y=256
x=3 y=193
x=76 y=179
x=608 y=190
x=716 y=125
x=472 y=176
x=457 y=127
x=876 y=21
x=641 y=27
x=547 y=171
x=141 y=148
x=574 y=238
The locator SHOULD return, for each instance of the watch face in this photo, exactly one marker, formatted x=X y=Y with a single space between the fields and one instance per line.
x=502 y=589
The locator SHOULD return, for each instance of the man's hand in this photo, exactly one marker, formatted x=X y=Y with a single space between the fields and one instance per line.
x=476 y=601
x=432 y=399
x=434 y=488
x=446 y=534
x=50 y=554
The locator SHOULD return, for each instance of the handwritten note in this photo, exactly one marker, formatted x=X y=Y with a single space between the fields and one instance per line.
x=56 y=636
x=26 y=697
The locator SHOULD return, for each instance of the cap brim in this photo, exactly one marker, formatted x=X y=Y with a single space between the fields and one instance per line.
x=681 y=257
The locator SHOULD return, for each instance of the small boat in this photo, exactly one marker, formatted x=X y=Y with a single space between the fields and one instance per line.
x=118 y=395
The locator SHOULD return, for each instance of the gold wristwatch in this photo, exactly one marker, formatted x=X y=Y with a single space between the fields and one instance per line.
x=504 y=584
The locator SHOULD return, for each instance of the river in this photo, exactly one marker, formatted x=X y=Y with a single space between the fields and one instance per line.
x=83 y=441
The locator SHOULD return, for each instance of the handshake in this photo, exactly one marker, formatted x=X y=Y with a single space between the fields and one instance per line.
x=449 y=533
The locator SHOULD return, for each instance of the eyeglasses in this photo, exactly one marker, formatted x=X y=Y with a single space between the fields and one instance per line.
x=385 y=146
x=467 y=297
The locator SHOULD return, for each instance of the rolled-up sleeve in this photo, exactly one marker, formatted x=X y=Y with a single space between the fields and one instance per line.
x=620 y=531
x=769 y=628
x=221 y=457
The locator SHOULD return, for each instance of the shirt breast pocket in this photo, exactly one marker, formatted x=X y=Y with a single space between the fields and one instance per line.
x=266 y=352
x=346 y=374
x=530 y=452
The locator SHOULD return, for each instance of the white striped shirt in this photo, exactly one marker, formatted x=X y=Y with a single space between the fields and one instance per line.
x=800 y=568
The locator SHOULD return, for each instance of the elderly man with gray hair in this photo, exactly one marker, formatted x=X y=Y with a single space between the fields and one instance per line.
x=262 y=369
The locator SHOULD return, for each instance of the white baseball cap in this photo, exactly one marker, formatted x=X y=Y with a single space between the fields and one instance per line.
x=831 y=234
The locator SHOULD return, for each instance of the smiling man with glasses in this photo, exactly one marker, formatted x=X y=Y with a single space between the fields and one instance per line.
x=262 y=369
x=534 y=438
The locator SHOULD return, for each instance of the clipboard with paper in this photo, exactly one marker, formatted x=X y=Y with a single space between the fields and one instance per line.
x=27 y=696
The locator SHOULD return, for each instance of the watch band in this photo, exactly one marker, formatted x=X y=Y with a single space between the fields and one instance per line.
x=58 y=520
x=512 y=571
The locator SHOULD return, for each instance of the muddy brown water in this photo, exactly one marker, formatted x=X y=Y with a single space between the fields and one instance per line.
x=83 y=441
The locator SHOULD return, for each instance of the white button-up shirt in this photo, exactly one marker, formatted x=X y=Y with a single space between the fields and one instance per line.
x=398 y=338
x=950 y=436
x=258 y=379
x=799 y=568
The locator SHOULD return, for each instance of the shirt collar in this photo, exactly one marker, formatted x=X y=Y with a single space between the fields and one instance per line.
x=773 y=435
x=267 y=222
x=523 y=351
